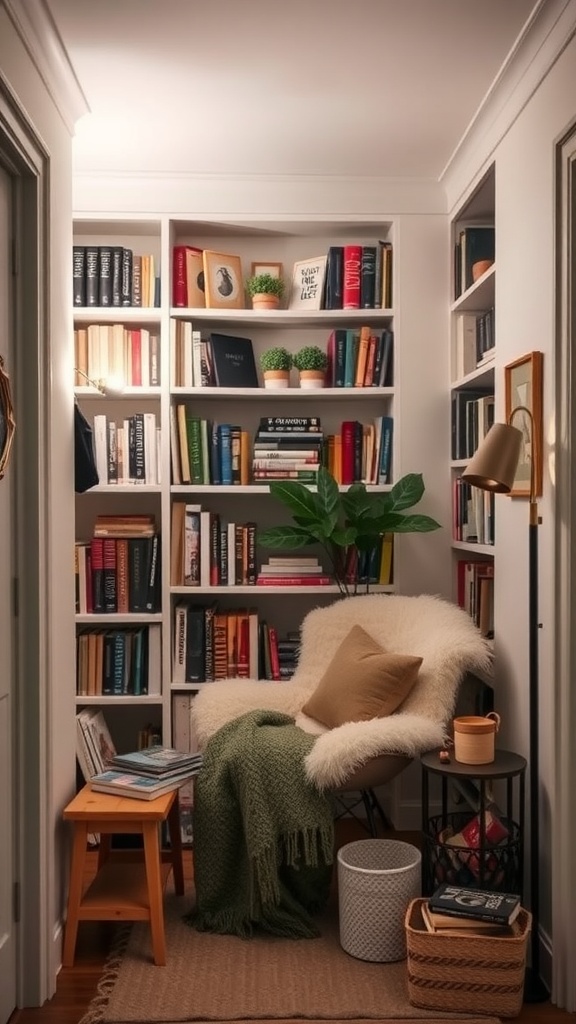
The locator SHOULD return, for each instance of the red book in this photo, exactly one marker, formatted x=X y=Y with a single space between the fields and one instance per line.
x=97 y=561
x=351 y=281
x=136 y=346
x=294 y=581
x=179 y=291
x=348 y=433
x=274 y=658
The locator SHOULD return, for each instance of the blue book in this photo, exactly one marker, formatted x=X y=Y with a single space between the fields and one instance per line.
x=350 y=359
x=141 y=787
x=155 y=761
x=385 y=450
x=225 y=434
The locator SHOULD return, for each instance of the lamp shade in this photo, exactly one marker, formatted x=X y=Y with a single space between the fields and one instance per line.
x=494 y=465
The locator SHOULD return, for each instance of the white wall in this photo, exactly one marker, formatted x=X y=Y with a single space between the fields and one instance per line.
x=525 y=321
x=22 y=79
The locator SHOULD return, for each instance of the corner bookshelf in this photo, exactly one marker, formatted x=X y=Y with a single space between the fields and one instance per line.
x=167 y=702
x=472 y=384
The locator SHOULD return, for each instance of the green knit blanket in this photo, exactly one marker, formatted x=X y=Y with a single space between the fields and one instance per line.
x=263 y=835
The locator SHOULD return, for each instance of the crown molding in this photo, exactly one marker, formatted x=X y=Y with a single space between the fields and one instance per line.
x=545 y=35
x=35 y=26
x=253 y=194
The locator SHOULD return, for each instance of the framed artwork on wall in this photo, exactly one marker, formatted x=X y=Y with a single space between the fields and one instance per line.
x=274 y=269
x=308 y=283
x=223 y=284
x=7 y=420
x=523 y=390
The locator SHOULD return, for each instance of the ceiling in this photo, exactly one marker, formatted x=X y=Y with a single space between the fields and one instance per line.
x=282 y=87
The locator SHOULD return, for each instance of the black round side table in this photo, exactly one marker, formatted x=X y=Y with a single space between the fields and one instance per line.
x=481 y=865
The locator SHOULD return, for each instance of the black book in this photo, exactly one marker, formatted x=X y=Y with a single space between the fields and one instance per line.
x=117 y=275
x=92 y=274
x=484 y=904
x=105 y=276
x=79 y=275
x=233 y=361
x=334 y=277
x=139 y=558
x=290 y=422
x=126 y=278
x=368 y=277
x=195 y=642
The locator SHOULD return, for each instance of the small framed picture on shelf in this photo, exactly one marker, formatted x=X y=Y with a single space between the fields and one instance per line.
x=223 y=284
x=274 y=269
x=308 y=283
x=523 y=390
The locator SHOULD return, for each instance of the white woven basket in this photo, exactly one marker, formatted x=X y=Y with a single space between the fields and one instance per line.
x=377 y=879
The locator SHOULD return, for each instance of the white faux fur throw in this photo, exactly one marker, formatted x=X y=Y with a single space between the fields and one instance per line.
x=429 y=627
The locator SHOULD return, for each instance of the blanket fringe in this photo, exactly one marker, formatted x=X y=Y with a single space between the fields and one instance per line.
x=98 y=1004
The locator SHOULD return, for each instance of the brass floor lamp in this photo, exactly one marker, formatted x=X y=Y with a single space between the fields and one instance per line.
x=493 y=468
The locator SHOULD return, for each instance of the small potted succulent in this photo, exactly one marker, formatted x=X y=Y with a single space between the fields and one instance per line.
x=311 y=363
x=265 y=291
x=276 y=364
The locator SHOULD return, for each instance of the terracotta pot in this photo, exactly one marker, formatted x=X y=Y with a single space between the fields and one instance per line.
x=276 y=378
x=480 y=267
x=312 y=378
x=262 y=300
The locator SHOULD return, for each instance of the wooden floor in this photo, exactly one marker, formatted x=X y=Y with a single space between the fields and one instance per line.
x=76 y=985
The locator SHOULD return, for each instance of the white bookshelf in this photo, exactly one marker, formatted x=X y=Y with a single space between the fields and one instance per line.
x=252 y=241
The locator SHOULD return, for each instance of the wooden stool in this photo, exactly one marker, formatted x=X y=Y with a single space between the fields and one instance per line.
x=122 y=891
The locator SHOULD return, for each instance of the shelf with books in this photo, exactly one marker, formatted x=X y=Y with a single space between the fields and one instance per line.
x=472 y=394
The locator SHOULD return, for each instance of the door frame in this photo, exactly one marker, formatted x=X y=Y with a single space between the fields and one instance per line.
x=564 y=840
x=26 y=162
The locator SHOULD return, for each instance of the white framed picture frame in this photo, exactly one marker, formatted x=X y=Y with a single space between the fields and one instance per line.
x=307 y=288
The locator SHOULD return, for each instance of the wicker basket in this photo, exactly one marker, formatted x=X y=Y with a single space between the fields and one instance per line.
x=476 y=974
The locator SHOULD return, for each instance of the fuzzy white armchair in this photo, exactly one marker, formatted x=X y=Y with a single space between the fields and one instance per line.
x=362 y=754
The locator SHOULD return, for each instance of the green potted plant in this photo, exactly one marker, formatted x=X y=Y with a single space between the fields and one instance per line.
x=311 y=363
x=345 y=523
x=276 y=364
x=265 y=291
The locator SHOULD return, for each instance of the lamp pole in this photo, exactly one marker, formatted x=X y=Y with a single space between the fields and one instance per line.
x=535 y=990
x=493 y=468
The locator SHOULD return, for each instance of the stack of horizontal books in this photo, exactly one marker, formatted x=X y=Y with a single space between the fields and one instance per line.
x=459 y=910
x=146 y=774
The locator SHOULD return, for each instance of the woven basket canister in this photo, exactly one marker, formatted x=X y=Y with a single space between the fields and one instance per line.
x=469 y=974
x=377 y=879
x=474 y=738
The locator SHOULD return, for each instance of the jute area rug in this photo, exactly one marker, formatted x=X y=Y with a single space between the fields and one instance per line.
x=224 y=978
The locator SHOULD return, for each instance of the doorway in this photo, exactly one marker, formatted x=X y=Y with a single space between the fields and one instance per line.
x=8 y=824
x=564 y=844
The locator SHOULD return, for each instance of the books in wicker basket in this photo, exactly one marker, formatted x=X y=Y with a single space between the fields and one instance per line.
x=475 y=974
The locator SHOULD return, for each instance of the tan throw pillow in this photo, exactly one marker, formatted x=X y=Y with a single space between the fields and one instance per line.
x=361 y=682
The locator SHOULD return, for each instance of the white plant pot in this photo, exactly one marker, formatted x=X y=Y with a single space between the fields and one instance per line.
x=277 y=379
x=311 y=379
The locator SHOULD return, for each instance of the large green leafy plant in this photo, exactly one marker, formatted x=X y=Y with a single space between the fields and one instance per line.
x=339 y=520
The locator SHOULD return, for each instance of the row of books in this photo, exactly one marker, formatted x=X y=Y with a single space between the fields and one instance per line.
x=475 y=581
x=358 y=276
x=220 y=360
x=204 y=452
x=360 y=358
x=114 y=275
x=130 y=356
x=116 y=662
x=127 y=452
x=472 y=513
x=475 y=341
x=208 y=551
x=212 y=643
x=472 y=415
x=117 y=574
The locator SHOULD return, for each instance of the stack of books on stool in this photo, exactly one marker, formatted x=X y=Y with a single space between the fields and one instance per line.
x=459 y=910
x=148 y=773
